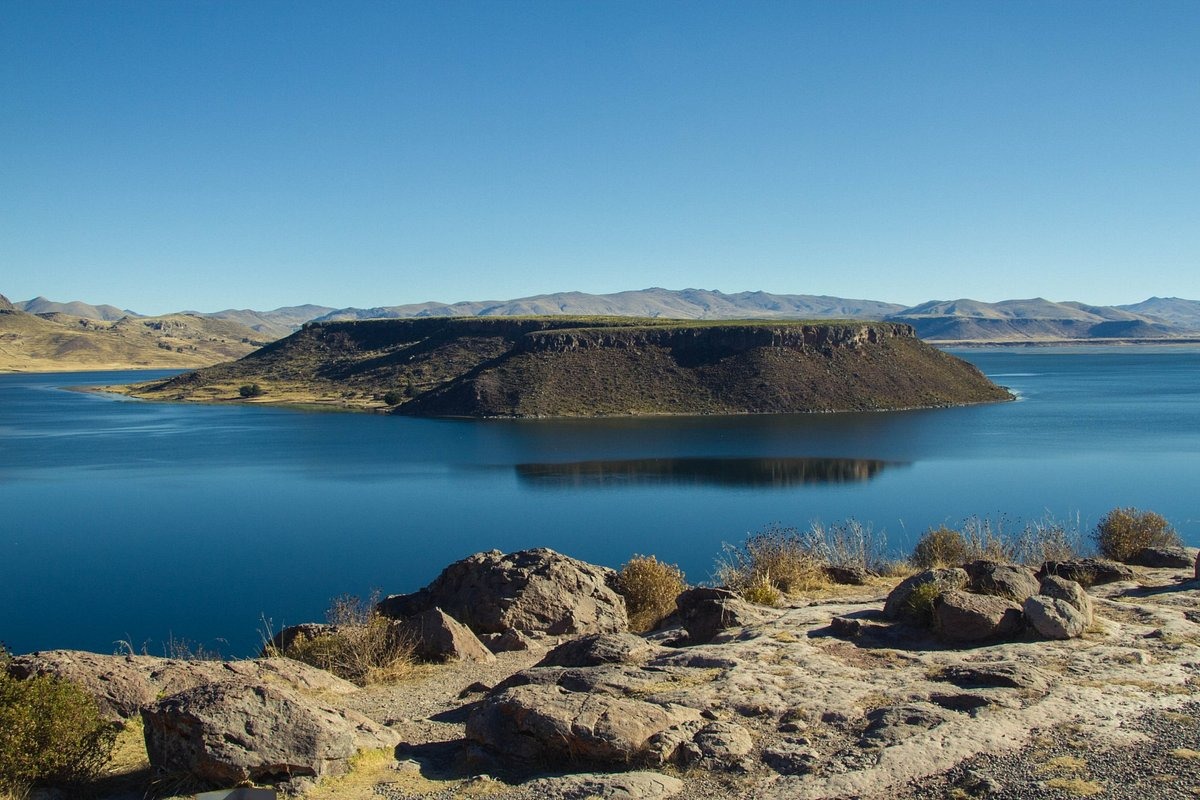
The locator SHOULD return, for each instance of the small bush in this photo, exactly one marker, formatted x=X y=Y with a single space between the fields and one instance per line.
x=649 y=587
x=51 y=732
x=939 y=547
x=1122 y=532
x=919 y=606
x=363 y=646
x=250 y=390
x=762 y=592
x=394 y=397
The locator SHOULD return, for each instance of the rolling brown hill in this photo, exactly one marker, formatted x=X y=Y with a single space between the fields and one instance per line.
x=57 y=342
x=589 y=366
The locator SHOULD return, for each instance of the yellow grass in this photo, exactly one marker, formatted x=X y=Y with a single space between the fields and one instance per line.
x=1077 y=787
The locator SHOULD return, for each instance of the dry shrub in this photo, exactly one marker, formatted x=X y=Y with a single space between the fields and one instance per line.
x=51 y=732
x=847 y=544
x=1122 y=532
x=774 y=561
x=362 y=646
x=1048 y=539
x=939 y=547
x=649 y=587
x=1033 y=543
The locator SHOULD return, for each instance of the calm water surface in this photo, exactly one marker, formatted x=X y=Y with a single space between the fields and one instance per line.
x=126 y=521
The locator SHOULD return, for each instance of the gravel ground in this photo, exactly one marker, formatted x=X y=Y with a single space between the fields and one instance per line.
x=1063 y=763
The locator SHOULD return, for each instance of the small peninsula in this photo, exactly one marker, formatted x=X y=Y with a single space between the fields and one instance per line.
x=589 y=366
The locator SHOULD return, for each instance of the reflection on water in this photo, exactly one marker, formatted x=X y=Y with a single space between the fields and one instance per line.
x=778 y=473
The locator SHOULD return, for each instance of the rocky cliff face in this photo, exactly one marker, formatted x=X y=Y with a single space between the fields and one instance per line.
x=5 y=305
x=482 y=367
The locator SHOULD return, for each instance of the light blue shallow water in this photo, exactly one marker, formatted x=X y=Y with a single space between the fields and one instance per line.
x=138 y=522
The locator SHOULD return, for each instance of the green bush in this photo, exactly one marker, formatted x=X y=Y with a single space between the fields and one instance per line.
x=649 y=587
x=394 y=397
x=939 y=547
x=250 y=390
x=919 y=605
x=1122 y=532
x=51 y=733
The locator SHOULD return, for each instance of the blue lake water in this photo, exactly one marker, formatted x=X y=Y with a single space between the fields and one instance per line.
x=126 y=521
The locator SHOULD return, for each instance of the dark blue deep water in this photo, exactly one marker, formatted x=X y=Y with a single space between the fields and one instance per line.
x=125 y=521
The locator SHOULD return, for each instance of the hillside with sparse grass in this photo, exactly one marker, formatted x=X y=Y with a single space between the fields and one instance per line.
x=59 y=342
x=591 y=366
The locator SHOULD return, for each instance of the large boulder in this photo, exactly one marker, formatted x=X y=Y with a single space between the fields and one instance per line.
x=1087 y=571
x=964 y=617
x=1164 y=557
x=437 y=636
x=530 y=590
x=1011 y=581
x=123 y=685
x=1055 y=618
x=707 y=612
x=1070 y=591
x=898 y=605
x=547 y=723
x=234 y=731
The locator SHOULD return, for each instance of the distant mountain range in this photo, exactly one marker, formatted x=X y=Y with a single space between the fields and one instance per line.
x=664 y=303
x=939 y=321
x=1038 y=319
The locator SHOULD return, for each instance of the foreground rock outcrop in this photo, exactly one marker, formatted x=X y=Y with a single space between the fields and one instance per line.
x=529 y=591
x=828 y=697
x=124 y=685
x=231 y=731
x=562 y=366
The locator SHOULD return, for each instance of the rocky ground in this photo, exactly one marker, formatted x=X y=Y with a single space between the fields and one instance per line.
x=890 y=713
x=787 y=703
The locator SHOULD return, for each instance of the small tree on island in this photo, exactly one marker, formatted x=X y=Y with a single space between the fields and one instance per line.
x=250 y=390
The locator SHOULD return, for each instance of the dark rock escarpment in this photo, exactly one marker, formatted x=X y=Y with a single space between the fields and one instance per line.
x=562 y=366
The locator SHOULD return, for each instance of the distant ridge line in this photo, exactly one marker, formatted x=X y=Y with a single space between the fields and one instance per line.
x=1033 y=319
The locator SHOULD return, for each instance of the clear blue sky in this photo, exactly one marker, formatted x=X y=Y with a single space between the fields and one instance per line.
x=168 y=155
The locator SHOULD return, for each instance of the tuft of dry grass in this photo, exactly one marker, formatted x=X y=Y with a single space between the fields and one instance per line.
x=362 y=646
x=1076 y=787
x=1032 y=543
x=771 y=563
x=1063 y=764
x=779 y=561
x=649 y=587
